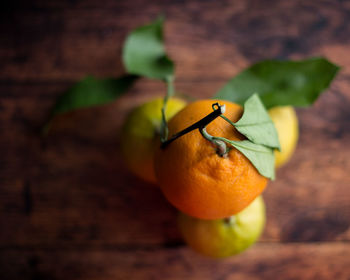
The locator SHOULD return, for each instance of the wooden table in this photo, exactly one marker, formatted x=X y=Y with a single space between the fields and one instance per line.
x=68 y=207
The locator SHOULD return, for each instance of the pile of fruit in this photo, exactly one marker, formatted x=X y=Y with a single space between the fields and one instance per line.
x=211 y=158
x=219 y=197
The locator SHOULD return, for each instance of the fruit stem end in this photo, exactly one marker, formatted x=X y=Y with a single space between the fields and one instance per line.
x=221 y=147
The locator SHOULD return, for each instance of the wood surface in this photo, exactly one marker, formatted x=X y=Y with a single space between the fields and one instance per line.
x=69 y=209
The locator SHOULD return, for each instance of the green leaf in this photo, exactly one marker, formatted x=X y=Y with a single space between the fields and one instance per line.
x=91 y=91
x=261 y=157
x=257 y=125
x=144 y=52
x=296 y=83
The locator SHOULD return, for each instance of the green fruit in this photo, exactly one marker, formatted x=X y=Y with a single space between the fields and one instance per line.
x=286 y=123
x=141 y=133
x=224 y=237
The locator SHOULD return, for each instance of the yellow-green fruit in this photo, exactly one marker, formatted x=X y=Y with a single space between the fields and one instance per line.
x=286 y=123
x=140 y=135
x=224 y=237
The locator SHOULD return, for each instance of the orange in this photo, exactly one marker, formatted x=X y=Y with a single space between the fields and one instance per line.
x=141 y=132
x=194 y=178
x=285 y=120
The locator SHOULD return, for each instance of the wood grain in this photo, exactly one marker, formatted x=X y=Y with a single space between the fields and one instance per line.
x=69 y=209
x=64 y=41
x=263 y=261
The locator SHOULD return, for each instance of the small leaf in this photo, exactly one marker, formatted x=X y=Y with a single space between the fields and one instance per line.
x=144 y=52
x=257 y=125
x=91 y=92
x=296 y=83
x=261 y=157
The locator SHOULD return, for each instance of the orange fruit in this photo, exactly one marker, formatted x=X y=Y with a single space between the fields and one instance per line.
x=224 y=237
x=194 y=178
x=141 y=132
x=286 y=123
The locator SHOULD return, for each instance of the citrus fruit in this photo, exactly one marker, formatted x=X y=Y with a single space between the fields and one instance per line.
x=198 y=181
x=224 y=237
x=141 y=132
x=286 y=123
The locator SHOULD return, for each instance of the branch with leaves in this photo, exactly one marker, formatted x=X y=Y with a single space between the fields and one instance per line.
x=263 y=85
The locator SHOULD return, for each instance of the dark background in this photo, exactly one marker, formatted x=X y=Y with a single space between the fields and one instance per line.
x=68 y=207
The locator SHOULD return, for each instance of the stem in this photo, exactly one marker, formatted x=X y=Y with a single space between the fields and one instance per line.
x=201 y=124
x=170 y=92
x=230 y=220
x=221 y=147
x=222 y=116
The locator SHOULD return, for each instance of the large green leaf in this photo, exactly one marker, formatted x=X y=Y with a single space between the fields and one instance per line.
x=257 y=125
x=88 y=92
x=144 y=52
x=296 y=83
x=91 y=91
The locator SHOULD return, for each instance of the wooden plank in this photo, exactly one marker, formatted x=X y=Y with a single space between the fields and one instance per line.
x=69 y=209
x=208 y=41
x=263 y=261
x=73 y=189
